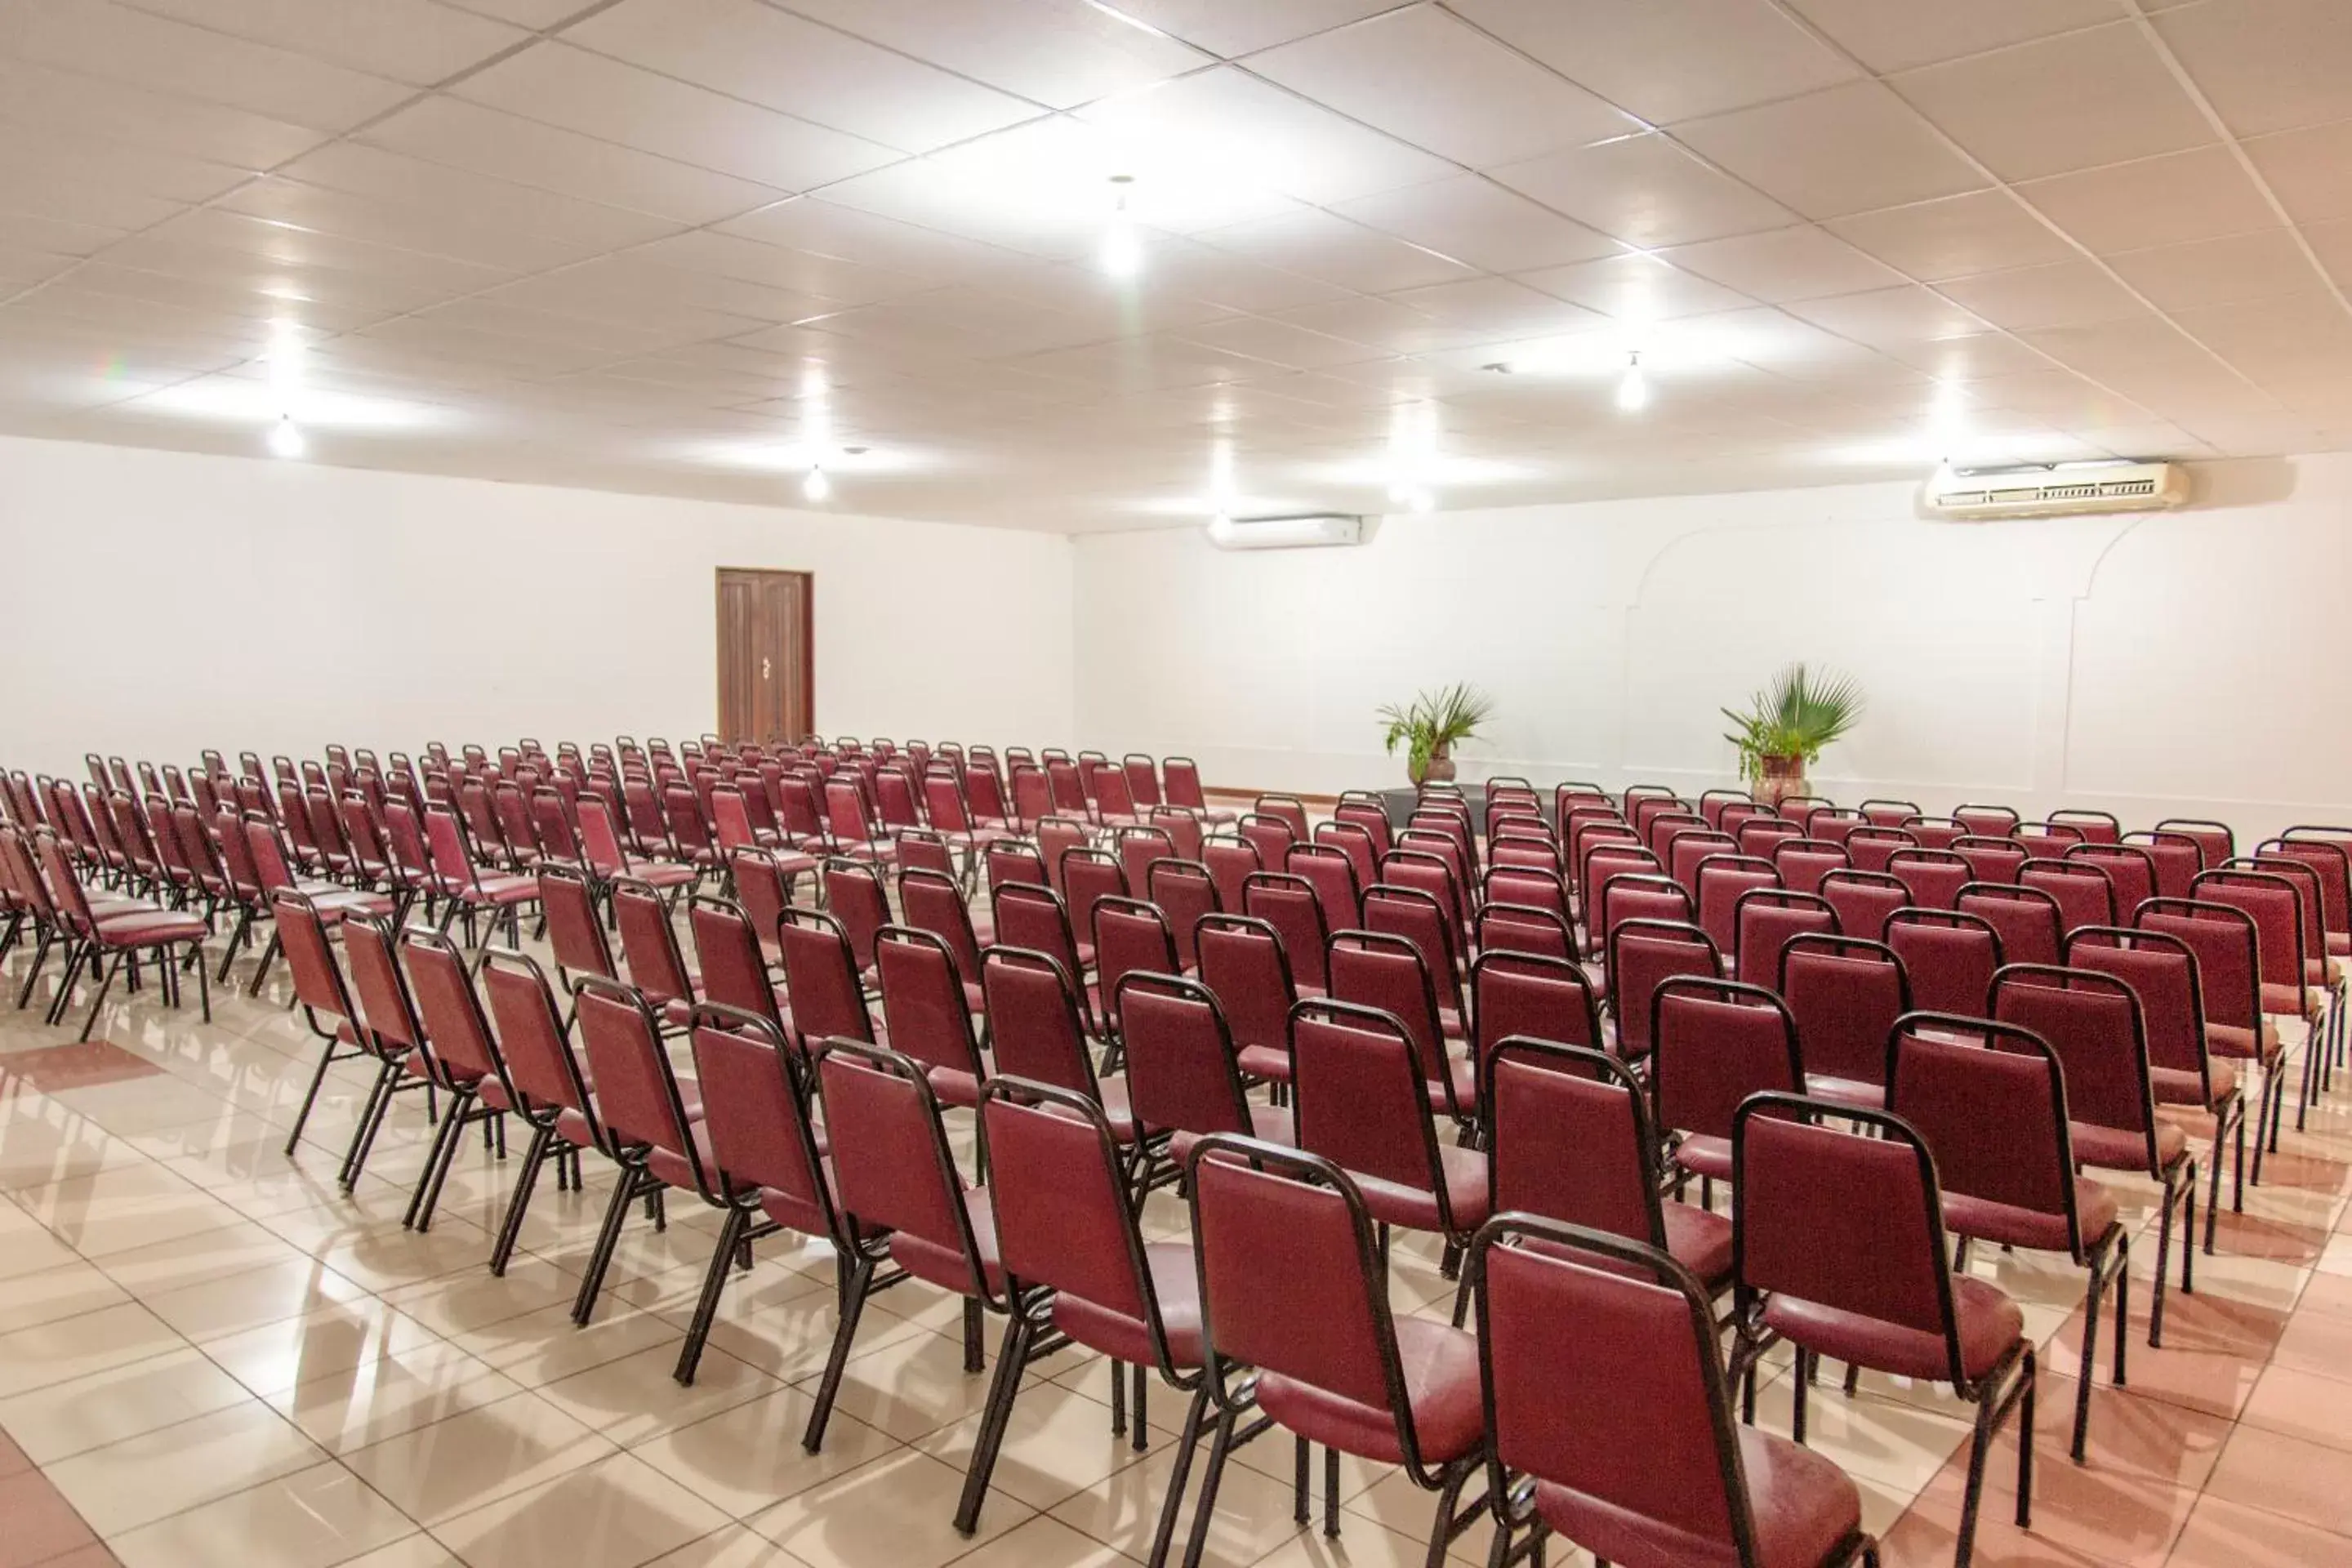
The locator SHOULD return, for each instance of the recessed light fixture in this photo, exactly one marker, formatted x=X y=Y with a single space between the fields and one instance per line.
x=816 y=486
x=1634 y=387
x=1122 y=249
x=286 y=439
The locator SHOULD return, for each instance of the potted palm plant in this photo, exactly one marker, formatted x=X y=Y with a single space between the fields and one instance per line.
x=1785 y=725
x=1433 y=724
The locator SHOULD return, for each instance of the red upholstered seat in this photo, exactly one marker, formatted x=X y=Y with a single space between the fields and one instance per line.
x=1989 y=1323
x=1440 y=1367
x=1803 y=1508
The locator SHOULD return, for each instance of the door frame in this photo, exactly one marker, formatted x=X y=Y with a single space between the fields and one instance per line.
x=808 y=638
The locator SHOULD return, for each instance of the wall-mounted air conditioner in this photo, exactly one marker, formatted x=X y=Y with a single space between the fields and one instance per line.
x=2054 y=489
x=1317 y=530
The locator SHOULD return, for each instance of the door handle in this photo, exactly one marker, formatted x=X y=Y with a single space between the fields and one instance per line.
x=765 y=671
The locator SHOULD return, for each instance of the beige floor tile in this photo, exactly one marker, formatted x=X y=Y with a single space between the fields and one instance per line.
x=455 y=1466
x=1043 y=1542
x=332 y=1338
x=898 y=1509
x=476 y=1299
x=70 y=1289
x=419 y=1551
x=76 y=1347
x=143 y=1104
x=749 y=1457
x=1896 y=1442
x=917 y=1384
x=1252 y=1517
x=1363 y=1544
x=86 y=1412
x=540 y=1347
x=292 y=1287
x=1057 y=1444
x=140 y=1480
x=255 y=1176
x=614 y=1513
x=41 y=1143
x=32 y=1249
x=635 y=1398
x=182 y=1261
x=1400 y=1508
x=731 y=1547
x=383 y=1398
x=312 y=1519
x=784 y=1323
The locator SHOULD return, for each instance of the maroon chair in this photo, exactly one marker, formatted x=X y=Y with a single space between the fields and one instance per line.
x=2288 y=984
x=1351 y=1374
x=733 y=970
x=1948 y=957
x=853 y=891
x=1084 y=878
x=1270 y=836
x=1245 y=966
x=1078 y=1270
x=1870 y=846
x=1037 y=1031
x=2094 y=1022
x=1693 y=849
x=1180 y=777
x=933 y=901
x=1132 y=936
x=1524 y=996
x=1332 y=874
x=1604 y=1387
x=2046 y=840
x=2032 y=930
x=548 y=1085
x=650 y=957
x=1846 y=994
x=1719 y=1041
x=2081 y=889
x=320 y=987
x=1644 y=955
x=1934 y=876
x=462 y=887
x=759 y=1124
x=824 y=999
x=1766 y=918
x=2229 y=976
x=393 y=1032
x=1569 y=1138
x=1804 y=862
x=902 y=1202
x=1863 y=900
x=107 y=937
x=2176 y=856
x=1024 y=914
x=927 y=1011
x=2214 y=841
x=1524 y=887
x=465 y=1055
x=1989 y=1101
x=1881 y=813
x=2097 y=827
x=1421 y=919
x=1387 y=974
x=1633 y=896
x=1355 y=840
x=1231 y=862
x=1289 y=905
x=2130 y=871
x=1183 y=1074
x=1290 y=810
x=1138 y=847
x=1184 y=891
x=1721 y=880
x=1839 y=1249
x=2162 y=972
x=1987 y=821
x=1523 y=928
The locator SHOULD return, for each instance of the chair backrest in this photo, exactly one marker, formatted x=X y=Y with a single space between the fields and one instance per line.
x=1633 y=896
x=2081 y=889
x=924 y=1004
x=2227 y=946
x=1986 y=821
x=1243 y=964
x=2276 y=905
x=1332 y=873
x=636 y=1089
x=1531 y=997
x=1030 y=914
x=1181 y=778
x=2310 y=896
x=853 y=891
x=2214 y=841
x=1035 y=1026
x=2095 y=827
x=450 y=1008
x=1142 y=779
x=1948 y=957
x=930 y=902
x=1087 y=877
x=1015 y=860
x=1137 y=848
x=1870 y=846
x=1864 y=899
x=892 y=1167
x=2130 y=871
x=2046 y=840
x=1804 y=862
x=1716 y=1042
x=1425 y=871
x=2161 y=970
x=320 y=983
x=1231 y=862
x=1766 y=918
x=1848 y=1220
x=1182 y=1072
x=541 y=1065
x=1362 y=1099
x=1184 y=891
x=1132 y=936
x=1569 y=1138
x=575 y=930
x=2027 y=919
x=1846 y=994
x=1934 y=877
x=2093 y=1021
x=1523 y=928
x=820 y=979
x=386 y=1004
x=1989 y=1099
x=1720 y=880
x=2328 y=853
x=649 y=950
x=1419 y=918
x=1386 y=974
x=1288 y=904
x=1643 y=955
x=755 y=1104
x=1990 y=859
x=1355 y=841
x=726 y=950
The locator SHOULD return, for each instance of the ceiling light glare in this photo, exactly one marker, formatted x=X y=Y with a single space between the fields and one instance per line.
x=1123 y=248
x=816 y=486
x=286 y=439
x=1634 y=387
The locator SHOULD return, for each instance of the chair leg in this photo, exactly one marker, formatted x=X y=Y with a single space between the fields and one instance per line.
x=2025 y=1440
x=1011 y=1359
x=859 y=1286
x=32 y=976
x=722 y=1258
x=1800 y=1383
x=261 y=970
x=1980 y=1447
x=443 y=1135
x=1330 y=1493
x=464 y=1104
x=975 y=1349
x=2163 y=1257
x=106 y=973
x=204 y=981
x=608 y=1239
x=371 y=1118
x=519 y=1201
x=2090 y=1356
x=326 y=1057
x=1219 y=1449
x=76 y=956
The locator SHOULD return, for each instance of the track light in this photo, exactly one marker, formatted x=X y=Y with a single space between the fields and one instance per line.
x=286 y=437
x=1633 y=390
x=816 y=486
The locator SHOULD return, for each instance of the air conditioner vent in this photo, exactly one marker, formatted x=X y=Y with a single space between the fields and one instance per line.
x=2055 y=491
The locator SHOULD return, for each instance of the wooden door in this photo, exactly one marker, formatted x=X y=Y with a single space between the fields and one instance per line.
x=766 y=668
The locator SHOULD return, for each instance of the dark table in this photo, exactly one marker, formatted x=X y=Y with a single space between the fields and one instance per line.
x=1399 y=803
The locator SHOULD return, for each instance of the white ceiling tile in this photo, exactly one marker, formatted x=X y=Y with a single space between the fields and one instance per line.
x=1955 y=238
x=1491 y=309
x=464 y=135
x=1139 y=364
x=1784 y=264
x=214 y=242
x=1057 y=52
x=402 y=227
x=24 y=231
x=1321 y=246
x=103 y=111
x=532 y=13
x=2266 y=65
x=1225 y=125
x=1281 y=343
x=1475 y=221
x=2309 y=171
x=218 y=298
x=2332 y=243
x=1892 y=34
x=2255 y=333
x=1382 y=323
x=2060 y=294
x=598 y=97
x=826 y=229
x=1883 y=316
x=1845 y=150
x=1634 y=288
x=2217 y=271
x=1667 y=60
x=51 y=189
x=685 y=303
x=1970 y=356
x=1422 y=75
x=1179 y=275
x=48 y=157
x=1645 y=191
x=104 y=39
x=2074 y=101
x=2127 y=353
x=784 y=62
x=1229 y=29
x=2180 y=196
x=415 y=41
x=459 y=194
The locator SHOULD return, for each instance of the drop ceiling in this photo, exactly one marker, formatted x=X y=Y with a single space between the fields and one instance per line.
x=689 y=247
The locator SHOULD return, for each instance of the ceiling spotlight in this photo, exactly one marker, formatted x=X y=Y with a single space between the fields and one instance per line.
x=286 y=437
x=1122 y=248
x=1633 y=390
x=816 y=486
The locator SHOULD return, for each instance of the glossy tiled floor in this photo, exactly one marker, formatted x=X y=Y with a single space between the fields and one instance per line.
x=210 y=1355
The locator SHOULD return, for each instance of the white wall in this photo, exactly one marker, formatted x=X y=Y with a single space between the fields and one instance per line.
x=157 y=603
x=2194 y=663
